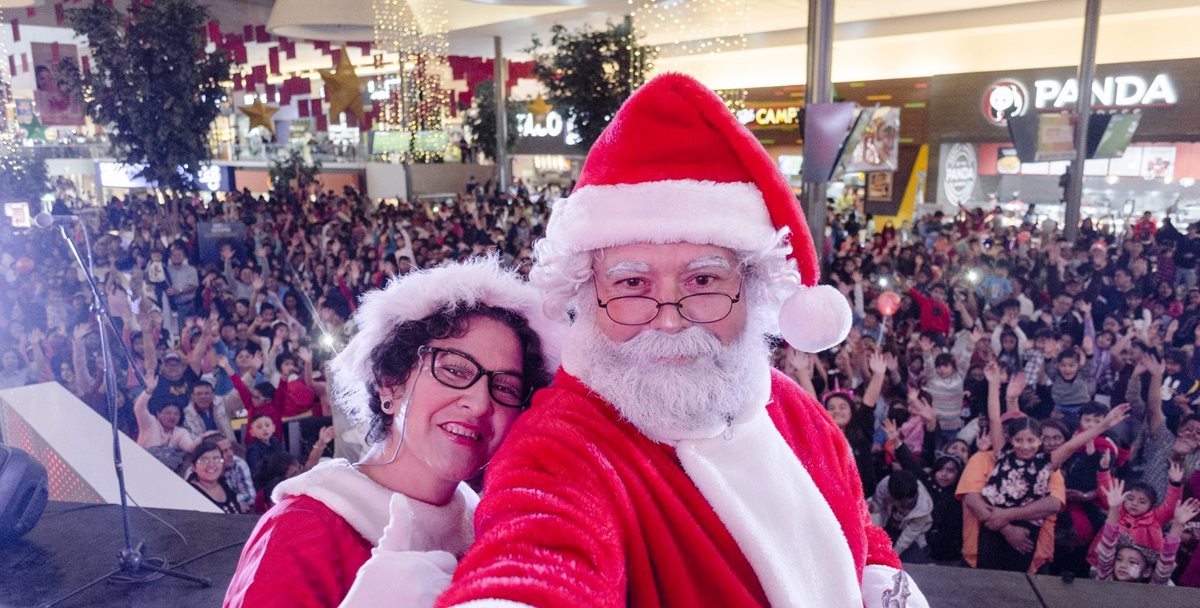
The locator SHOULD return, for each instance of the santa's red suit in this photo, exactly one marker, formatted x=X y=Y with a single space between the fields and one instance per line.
x=582 y=509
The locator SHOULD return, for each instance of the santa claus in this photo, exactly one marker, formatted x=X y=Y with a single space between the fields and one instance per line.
x=668 y=465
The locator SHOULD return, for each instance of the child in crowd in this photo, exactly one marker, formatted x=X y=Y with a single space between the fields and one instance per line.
x=903 y=508
x=263 y=440
x=1121 y=559
x=945 y=386
x=1069 y=386
x=1138 y=518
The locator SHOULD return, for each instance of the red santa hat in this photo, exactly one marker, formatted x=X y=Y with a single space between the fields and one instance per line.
x=675 y=165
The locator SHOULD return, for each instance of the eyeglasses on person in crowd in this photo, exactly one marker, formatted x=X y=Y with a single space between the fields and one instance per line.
x=206 y=460
x=708 y=307
x=459 y=370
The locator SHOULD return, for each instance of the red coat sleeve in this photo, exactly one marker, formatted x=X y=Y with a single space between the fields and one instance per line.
x=300 y=555
x=547 y=533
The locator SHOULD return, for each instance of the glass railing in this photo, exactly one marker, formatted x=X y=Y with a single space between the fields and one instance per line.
x=324 y=152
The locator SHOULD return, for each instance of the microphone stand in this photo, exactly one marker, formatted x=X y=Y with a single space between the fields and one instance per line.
x=131 y=565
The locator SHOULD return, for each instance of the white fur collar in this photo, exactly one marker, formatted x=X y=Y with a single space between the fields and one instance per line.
x=364 y=504
x=775 y=511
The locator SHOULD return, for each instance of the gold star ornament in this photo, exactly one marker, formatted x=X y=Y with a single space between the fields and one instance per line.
x=260 y=115
x=343 y=89
x=540 y=109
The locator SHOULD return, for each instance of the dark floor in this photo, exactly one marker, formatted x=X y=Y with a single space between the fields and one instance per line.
x=73 y=544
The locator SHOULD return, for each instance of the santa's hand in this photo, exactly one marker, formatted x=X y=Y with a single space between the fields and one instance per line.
x=397 y=536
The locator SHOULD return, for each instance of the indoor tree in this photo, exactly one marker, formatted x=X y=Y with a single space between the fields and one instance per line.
x=152 y=85
x=588 y=74
x=481 y=120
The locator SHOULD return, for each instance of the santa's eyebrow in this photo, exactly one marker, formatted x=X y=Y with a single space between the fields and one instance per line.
x=709 y=261
x=626 y=267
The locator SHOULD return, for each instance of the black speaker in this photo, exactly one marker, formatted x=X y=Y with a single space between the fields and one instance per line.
x=23 y=492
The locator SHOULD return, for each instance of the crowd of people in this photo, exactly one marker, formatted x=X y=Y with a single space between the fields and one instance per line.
x=1019 y=400
x=228 y=338
x=1013 y=399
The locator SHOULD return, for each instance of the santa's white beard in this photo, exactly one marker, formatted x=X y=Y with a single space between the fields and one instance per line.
x=669 y=401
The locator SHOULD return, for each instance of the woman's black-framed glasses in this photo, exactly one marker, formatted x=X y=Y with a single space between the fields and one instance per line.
x=459 y=370
x=708 y=307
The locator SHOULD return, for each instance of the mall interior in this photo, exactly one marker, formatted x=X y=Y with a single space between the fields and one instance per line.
x=209 y=203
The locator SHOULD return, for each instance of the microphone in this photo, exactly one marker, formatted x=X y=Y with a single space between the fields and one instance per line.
x=46 y=220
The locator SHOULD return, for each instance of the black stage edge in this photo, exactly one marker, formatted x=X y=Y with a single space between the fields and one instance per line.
x=75 y=543
x=72 y=544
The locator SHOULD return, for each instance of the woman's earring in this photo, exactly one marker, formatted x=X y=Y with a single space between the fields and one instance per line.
x=386 y=406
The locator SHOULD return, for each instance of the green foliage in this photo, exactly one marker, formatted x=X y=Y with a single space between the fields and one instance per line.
x=295 y=168
x=481 y=120
x=152 y=85
x=23 y=176
x=589 y=74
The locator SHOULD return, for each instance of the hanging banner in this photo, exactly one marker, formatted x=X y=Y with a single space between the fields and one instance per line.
x=56 y=104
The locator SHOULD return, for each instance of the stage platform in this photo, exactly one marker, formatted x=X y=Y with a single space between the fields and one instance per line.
x=75 y=543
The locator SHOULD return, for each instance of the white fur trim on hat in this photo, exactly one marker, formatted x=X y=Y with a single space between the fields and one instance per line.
x=478 y=281
x=729 y=215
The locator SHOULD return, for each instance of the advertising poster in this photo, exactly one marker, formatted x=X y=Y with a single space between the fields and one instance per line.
x=879 y=146
x=1158 y=162
x=1055 y=138
x=879 y=186
x=56 y=105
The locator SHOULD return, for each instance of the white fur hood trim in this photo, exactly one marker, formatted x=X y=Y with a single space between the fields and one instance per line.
x=364 y=504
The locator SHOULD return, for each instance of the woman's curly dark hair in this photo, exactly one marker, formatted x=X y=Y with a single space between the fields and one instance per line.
x=394 y=359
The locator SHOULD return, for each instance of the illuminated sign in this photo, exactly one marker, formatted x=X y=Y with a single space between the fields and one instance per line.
x=768 y=117
x=1010 y=97
x=553 y=126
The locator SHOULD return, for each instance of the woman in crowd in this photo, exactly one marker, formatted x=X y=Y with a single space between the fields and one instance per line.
x=443 y=363
x=208 y=469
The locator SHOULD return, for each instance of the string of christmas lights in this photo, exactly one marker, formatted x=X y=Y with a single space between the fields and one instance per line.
x=415 y=32
x=11 y=161
x=696 y=27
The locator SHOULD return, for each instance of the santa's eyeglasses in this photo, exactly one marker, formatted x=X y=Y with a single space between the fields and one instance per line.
x=708 y=307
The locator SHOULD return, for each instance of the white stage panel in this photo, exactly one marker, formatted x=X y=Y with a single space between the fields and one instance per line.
x=75 y=445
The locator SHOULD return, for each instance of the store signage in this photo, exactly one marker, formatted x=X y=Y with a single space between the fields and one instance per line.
x=960 y=172
x=1010 y=97
x=553 y=127
x=769 y=117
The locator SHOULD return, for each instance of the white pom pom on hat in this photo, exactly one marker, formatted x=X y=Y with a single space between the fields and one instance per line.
x=675 y=165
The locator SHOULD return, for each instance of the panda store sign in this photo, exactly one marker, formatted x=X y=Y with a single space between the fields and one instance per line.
x=1011 y=97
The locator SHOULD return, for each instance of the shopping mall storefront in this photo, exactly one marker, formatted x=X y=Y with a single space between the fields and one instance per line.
x=973 y=161
x=774 y=116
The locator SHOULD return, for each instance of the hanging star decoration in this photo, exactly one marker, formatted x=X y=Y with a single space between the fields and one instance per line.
x=260 y=115
x=34 y=129
x=540 y=109
x=343 y=90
